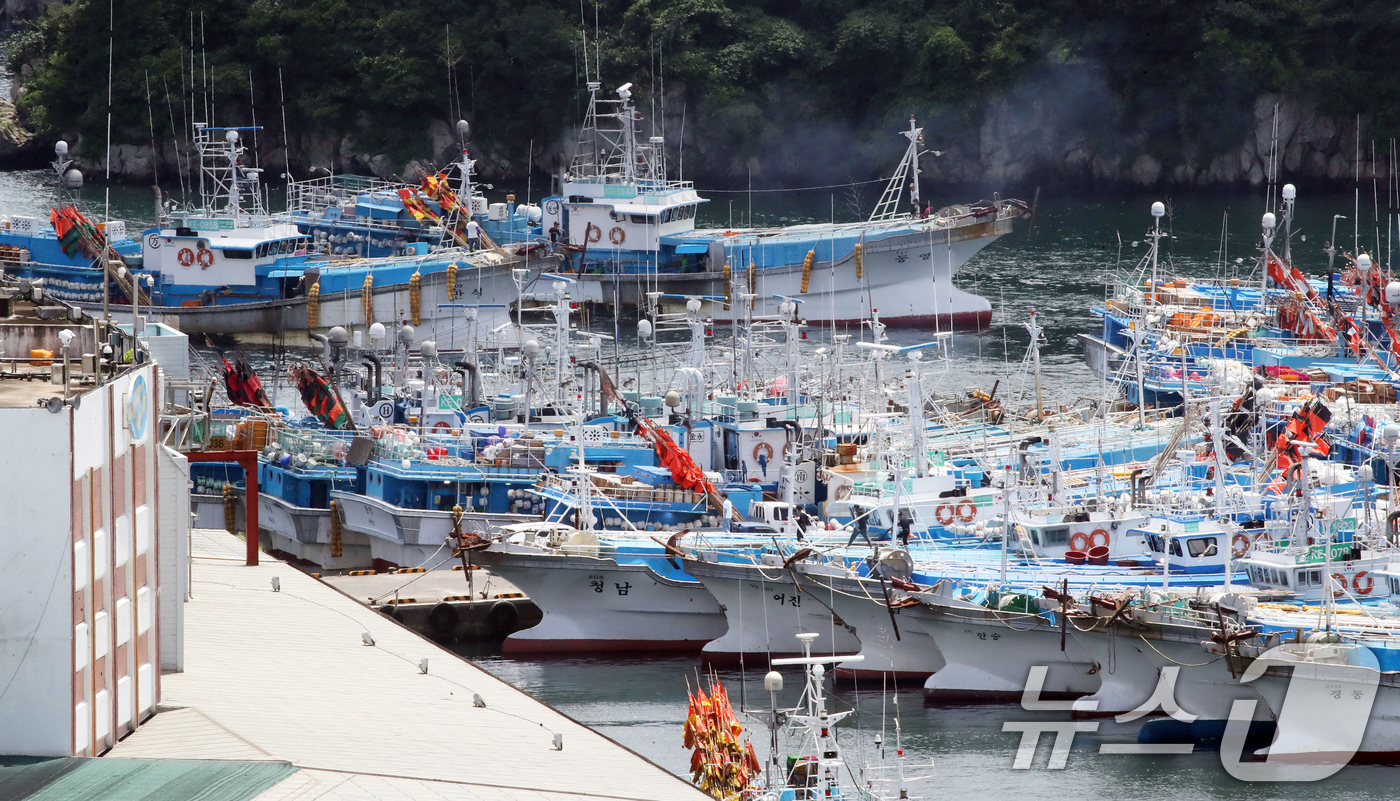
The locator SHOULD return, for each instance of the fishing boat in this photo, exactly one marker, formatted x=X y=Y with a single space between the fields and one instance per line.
x=625 y=220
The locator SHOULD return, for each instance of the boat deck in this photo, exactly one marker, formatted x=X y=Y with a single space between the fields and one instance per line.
x=286 y=676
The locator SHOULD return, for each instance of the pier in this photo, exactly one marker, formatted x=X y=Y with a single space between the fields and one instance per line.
x=278 y=668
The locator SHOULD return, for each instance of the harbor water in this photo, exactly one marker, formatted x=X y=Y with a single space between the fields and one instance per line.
x=641 y=703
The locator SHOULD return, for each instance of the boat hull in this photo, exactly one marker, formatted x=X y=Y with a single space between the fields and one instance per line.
x=766 y=611
x=989 y=662
x=306 y=534
x=411 y=537
x=908 y=278
x=891 y=644
x=1131 y=663
x=593 y=604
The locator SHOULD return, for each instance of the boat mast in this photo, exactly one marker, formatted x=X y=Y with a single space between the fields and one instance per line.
x=888 y=206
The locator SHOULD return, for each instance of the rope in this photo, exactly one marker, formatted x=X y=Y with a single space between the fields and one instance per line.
x=1173 y=661
x=793 y=189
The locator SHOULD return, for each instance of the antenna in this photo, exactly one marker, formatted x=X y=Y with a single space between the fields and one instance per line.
x=286 y=146
x=204 y=68
x=111 y=36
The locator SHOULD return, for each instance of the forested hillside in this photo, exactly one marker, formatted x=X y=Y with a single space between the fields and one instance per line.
x=1072 y=91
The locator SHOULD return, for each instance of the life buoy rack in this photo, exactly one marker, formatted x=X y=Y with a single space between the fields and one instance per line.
x=441 y=425
x=966 y=511
x=1239 y=545
x=1094 y=538
x=593 y=233
x=945 y=514
x=843 y=492
x=1356 y=583
x=206 y=257
x=617 y=236
x=185 y=257
x=1079 y=542
x=763 y=446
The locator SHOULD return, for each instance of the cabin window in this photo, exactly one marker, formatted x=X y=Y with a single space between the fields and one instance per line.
x=1200 y=545
x=643 y=219
x=780 y=514
x=1055 y=536
x=1176 y=548
x=1394 y=586
x=1283 y=578
x=232 y=253
x=1315 y=577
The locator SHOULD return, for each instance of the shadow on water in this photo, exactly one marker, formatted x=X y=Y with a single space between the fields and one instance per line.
x=640 y=702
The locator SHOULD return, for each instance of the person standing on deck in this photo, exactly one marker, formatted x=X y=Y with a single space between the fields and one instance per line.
x=727 y=512
x=860 y=527
x=803 y=521
x=473 y=235
x=906 y=523
x=554 y=233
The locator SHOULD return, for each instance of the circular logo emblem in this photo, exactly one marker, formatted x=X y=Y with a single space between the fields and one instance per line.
x=138 y=407
x=153 y=241
x=551 y=207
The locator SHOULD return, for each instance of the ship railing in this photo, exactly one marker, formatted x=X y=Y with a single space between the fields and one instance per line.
x=315 y=194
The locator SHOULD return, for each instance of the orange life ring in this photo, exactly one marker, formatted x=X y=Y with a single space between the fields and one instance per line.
x=1239 y=545
x=206 y=257
x=763 y=446
x=441 y=425
x=966 y=511
x=617 y=236
x=185 y=257
x=1356 y=583
x=1079 y=542
x=593 y=233
x=1265 y=536
x=1094 y=537
x=945 y=514
x=1341 y=582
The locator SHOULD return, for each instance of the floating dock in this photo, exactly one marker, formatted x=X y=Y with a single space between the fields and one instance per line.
x=287 y=675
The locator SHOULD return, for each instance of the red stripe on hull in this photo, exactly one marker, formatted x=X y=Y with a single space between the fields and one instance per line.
x=957 y=321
